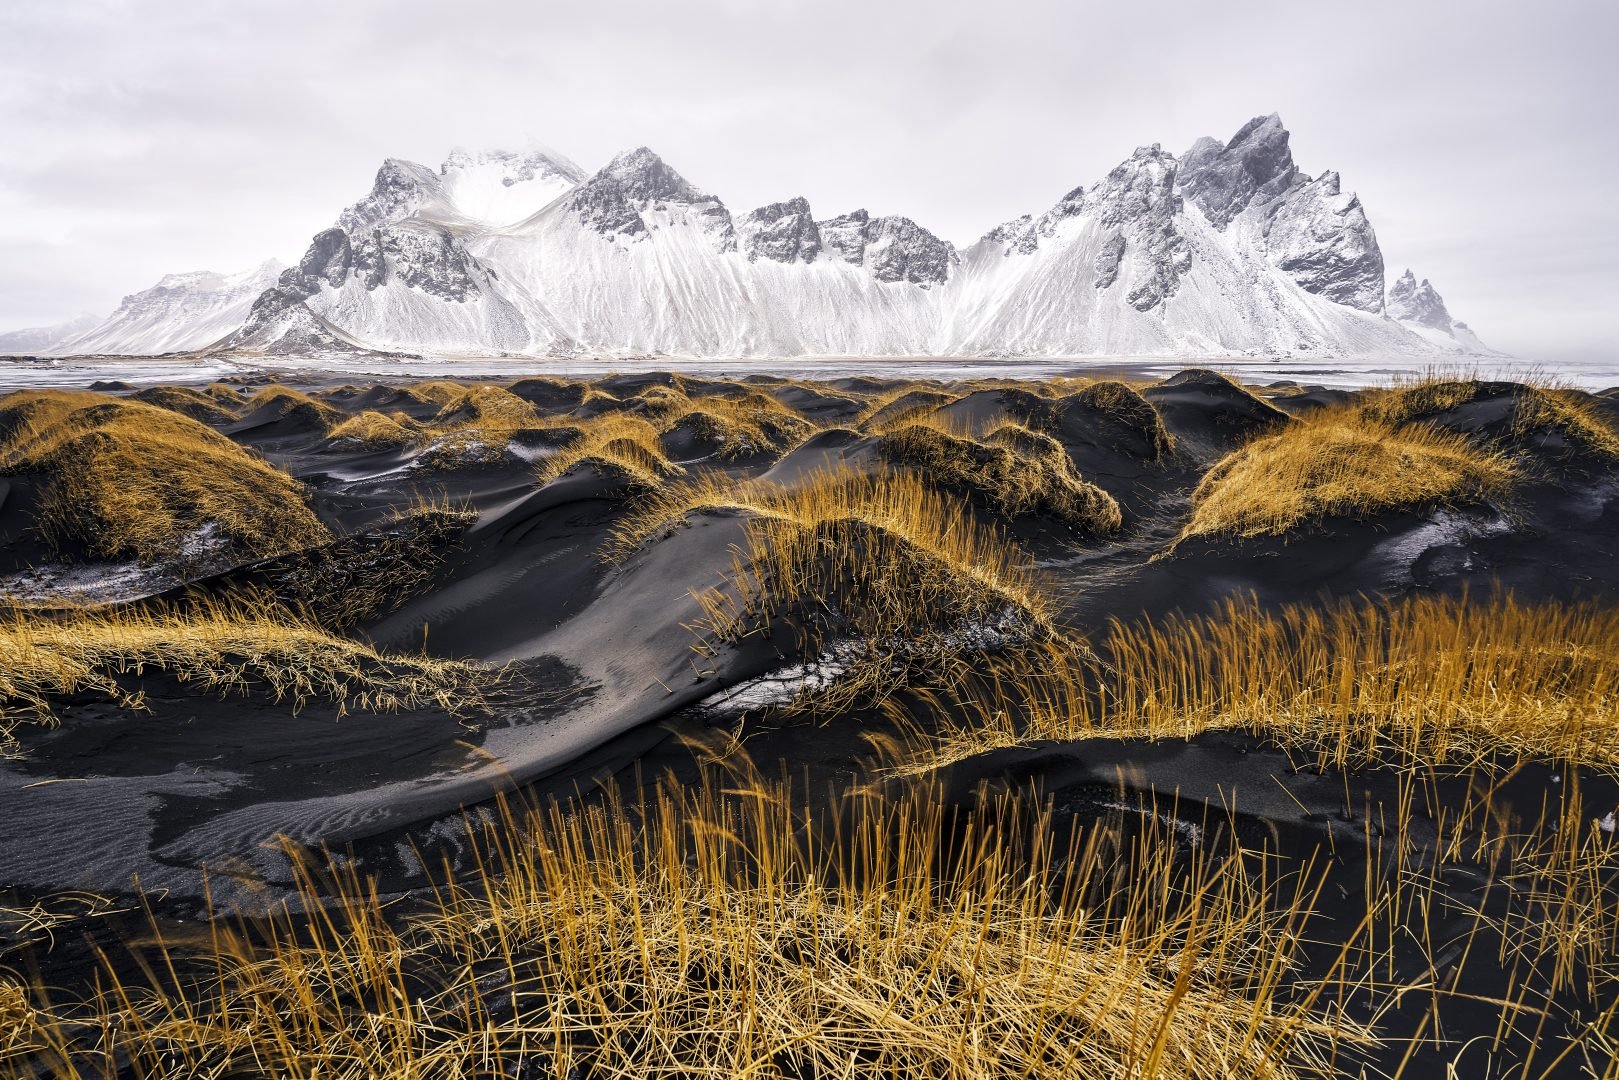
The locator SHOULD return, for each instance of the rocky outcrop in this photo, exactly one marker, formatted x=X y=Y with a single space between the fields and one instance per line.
x=783 y=232
x=1139 y=200
x=891 y=248
x=1313 y=232
x=1420 y=303
x=616 y=201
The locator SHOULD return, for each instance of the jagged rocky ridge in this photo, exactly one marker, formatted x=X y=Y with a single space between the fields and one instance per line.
x=1226 y=248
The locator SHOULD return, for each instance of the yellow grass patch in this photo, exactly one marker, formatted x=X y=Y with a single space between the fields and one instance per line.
x=127 y=479
x=205 y=408
x=374 y=430
x=708 y=936
x=1428 y=679
x=613 y=442
x=1338 y=463
x=1533 y=409
x=891 y=571
x=221 y=648
x=1021 y=471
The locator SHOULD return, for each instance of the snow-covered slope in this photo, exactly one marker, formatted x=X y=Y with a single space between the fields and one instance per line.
x=43 y=340
x=180 y=312
x=1228 y=248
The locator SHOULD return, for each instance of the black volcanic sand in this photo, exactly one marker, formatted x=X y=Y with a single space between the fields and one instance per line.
x=602 y=670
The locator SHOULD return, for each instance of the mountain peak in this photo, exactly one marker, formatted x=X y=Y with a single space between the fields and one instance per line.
x=614 y=200
x=640 y=175
x=1410 y=301
x=1255 y=165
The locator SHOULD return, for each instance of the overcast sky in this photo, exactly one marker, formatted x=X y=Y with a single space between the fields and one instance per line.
x=141 y=137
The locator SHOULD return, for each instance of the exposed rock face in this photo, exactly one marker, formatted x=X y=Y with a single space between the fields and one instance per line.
x=617 y=199
x=1022 y=235
x=400 y=190
x=1319 y=236
x=1418 y=303
x=1255 y=166
x=892 y=248
x=1139 y=199
x=782 y=232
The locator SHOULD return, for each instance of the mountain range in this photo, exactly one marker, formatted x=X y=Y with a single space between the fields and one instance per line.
x=1227 y=248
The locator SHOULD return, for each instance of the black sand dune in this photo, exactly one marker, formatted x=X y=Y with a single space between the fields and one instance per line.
x=598 y=654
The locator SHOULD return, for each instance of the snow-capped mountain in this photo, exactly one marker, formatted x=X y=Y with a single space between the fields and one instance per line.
x=1226 y=248
x=180 y=313
x=1420 y=308
x=43 y=340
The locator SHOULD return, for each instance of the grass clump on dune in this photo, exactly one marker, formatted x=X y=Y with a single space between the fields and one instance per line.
x=122 y=479
x=224 y=648
x=1123 y=405
x=707 y=934
x=372 y=430
x=1551 y=418
x=616 y=444
x=885 y=571
x=204 y=408
x=742 y=427
x=1429 y=680
x=1018 y=470
x=286 y=403
x=1340 y=463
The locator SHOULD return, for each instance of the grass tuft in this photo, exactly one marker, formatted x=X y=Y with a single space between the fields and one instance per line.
x=123 y=479
x=1340 y=463
x=225 y=648
x=1018 y=470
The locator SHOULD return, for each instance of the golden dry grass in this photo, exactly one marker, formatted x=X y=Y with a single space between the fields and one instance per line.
x=226 y=648
x=1532 y=410
x=1018 y=470
x=289 y=403
x=745 y=426
x=373 y=430
x=708 y=934
x=1340 y=463
x=1429 y=679
x=125 y=479
x=884 y=569
x=615 y=443
x=1122 y=403
x=204 y=408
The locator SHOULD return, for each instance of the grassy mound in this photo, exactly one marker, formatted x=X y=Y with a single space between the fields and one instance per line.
x=704 y=936
x=373 y=430
x=1505 y=416
x=221 y=648
x=1339 y=463
x=1018 y=470
x=1431 y=680
x=123 y=479
x=885 y=568
x=616 y=443
x=1120 y=404
x=204 y=408
x=285 y=404
x=747 y=426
